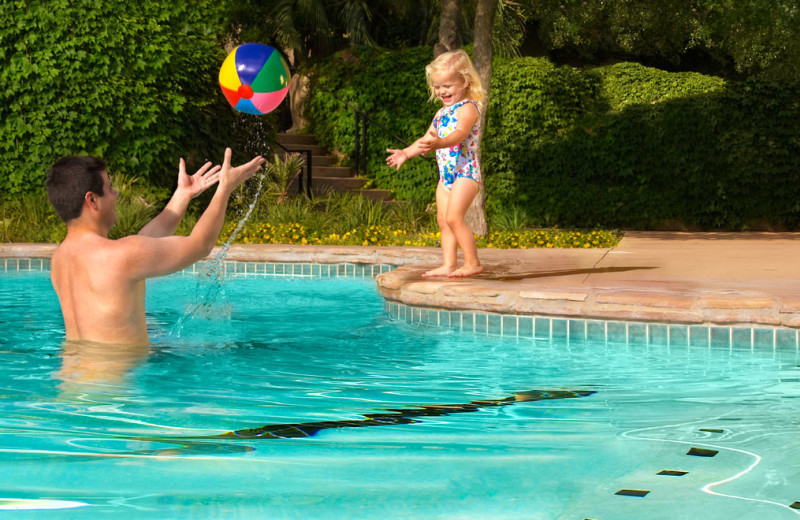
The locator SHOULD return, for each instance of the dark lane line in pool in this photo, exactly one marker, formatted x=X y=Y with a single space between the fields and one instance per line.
x=394 y=416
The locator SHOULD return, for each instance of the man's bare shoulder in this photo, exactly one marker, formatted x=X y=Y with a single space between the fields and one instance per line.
x=95 y=251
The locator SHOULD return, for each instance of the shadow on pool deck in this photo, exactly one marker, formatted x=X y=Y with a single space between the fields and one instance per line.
x=690 y=278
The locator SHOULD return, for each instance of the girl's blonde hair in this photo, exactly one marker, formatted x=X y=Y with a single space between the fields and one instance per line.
x=457 y=61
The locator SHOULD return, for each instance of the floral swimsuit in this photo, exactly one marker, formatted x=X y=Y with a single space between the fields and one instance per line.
x=461 y=160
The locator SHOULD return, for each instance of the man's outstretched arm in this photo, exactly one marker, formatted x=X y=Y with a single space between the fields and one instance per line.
x=157 y=256
x=189 y=187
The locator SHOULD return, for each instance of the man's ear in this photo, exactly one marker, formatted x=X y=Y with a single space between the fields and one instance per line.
x=90 y=199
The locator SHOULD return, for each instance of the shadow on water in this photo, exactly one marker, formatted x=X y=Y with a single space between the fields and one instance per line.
x=398 y=416
x=209 y=445
x=392 y=417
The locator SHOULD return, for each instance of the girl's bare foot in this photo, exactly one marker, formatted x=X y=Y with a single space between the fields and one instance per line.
x=467 y=270
x=442 y=270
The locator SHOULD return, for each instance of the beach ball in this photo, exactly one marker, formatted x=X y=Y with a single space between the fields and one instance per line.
x=254 y=78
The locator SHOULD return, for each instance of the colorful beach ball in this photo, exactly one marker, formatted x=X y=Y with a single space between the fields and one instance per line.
x=254 y=78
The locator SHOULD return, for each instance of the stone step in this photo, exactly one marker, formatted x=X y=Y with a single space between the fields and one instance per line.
x=296 y=139
x=338 y=183
x=318 y=160
x=301 y=148
x=326 y=177
x=331 y=171
x=375 y=194
x=320 y=188
x=323 y=160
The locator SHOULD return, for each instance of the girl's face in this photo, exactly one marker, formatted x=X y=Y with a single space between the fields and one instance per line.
x=448 y=86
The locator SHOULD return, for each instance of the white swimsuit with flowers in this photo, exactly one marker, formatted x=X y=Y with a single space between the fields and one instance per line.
x=461 y=160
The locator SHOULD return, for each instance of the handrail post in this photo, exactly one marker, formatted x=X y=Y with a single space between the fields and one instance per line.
x=366 y=154
x=300 y=182
x=357 y=139
x=309 y=166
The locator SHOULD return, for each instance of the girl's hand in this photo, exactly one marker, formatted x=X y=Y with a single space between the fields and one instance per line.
x=429 y=141
x=397 y=158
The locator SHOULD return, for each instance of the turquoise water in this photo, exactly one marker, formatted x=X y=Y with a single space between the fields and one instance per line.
x=102 y=433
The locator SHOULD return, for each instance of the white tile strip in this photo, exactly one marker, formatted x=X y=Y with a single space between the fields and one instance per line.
x=610 y=332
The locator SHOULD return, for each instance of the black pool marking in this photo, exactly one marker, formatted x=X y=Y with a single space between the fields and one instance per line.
x=711 y=430
x=699 y=452
x=672 y=473
x=633 y=492
x=395 y=416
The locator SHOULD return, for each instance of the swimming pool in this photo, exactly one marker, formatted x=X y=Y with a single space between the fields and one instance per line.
x=608 y=430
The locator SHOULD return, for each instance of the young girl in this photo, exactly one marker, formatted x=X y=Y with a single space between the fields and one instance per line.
x=454 y=135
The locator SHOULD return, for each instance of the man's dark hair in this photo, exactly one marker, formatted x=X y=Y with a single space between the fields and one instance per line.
x=70 y=179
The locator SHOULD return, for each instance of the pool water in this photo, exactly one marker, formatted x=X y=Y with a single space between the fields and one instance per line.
x=88 y=432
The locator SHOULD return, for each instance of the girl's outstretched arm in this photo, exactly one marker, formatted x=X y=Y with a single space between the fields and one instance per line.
x=398 y=157
x=467 y=116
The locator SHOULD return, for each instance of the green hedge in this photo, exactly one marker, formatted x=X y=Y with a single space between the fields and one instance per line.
x=134 y=82
x=621 y=145
x=667 y=150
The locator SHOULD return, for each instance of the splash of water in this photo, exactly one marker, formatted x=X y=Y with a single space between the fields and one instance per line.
x=210 y=301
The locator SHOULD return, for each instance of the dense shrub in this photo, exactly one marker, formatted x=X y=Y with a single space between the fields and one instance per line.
x=134 y=82
x=667 y=150
x=606 y=146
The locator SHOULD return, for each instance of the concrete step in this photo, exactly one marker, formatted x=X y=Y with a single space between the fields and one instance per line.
x=295 y=139
x=326 y=177
x=331 y=171
x=315 y=149
x=323 y=160
x=338 y=183
x=373 y=194
x=320 y=186
x=318 y=160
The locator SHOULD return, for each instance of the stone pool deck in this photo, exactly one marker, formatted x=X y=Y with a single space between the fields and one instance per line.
x=724 y=279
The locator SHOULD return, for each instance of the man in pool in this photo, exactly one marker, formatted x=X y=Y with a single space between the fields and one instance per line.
x=100 y=282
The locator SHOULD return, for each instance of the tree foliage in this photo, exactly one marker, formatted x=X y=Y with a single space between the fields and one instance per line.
x=315 y=29
x=748 y=37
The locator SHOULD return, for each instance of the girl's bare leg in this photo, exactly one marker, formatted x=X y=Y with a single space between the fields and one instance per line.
x=461 y=196
x=448 y=238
